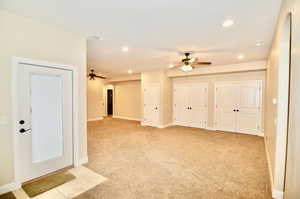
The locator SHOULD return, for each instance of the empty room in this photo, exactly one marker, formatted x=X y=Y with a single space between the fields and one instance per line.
x=149 y=99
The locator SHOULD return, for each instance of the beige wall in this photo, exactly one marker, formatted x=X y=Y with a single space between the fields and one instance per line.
x=275 y=139
x=127 y=99
x=211 y=79
x=95 y=100
x=292 y=183
x=24 y=37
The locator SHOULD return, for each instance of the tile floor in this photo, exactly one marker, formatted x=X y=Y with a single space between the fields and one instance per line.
x=85 y=180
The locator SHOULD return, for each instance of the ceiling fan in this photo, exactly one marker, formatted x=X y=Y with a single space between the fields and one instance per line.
x=92 y=75
x=189 y=63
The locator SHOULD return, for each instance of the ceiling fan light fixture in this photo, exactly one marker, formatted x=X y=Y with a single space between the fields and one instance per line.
x=227 y=23
x=186 y=68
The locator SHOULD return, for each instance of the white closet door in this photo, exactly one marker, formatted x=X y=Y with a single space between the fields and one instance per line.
x=151 y=104
x=197 y=94
x=181 y=110
x=249 y=108
x=226 y=101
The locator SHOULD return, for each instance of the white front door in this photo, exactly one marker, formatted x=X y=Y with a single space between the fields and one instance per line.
x=45 y=116
x=151 y=104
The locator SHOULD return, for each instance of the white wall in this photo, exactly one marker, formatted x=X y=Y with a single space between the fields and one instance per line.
x=25 y=37
x=95 y=99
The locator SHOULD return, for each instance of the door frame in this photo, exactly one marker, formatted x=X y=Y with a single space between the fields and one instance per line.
x=260 y=83
x=16 y=61
x=107 y=87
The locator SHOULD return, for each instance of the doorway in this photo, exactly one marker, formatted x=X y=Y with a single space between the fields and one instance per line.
x=45 y=135
x=109 y=102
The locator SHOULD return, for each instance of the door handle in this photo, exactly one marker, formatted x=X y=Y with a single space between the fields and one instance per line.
x=21 y=122
x=156 y=108
x=24 y=130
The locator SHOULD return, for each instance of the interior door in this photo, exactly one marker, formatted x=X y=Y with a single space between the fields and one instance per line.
x=249 y=108
x=45 y=120
x=197 y=102
x=180 y=104
x=226 y=101
x=151 y=104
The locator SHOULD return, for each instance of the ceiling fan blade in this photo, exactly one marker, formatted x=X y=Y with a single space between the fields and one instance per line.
x=202 y=63
x=102 y=77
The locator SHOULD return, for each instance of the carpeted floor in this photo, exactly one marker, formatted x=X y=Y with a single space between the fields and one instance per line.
x=175 y=163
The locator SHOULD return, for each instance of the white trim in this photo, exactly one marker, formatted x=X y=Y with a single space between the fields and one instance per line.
x=9 y=187
x=126 y=118
x=84 y=160
x=277 y=194
x=95 y=119
x=269 y=164
x=210 y=128
x=76 y=137
x=165 y=126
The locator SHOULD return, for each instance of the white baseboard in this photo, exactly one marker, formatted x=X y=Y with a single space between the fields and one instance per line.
x=210 y=129
x=9 y=187
x=277 y=194
x=95 y=119
x=164 y=126
x=126 y=118
x=84 y=160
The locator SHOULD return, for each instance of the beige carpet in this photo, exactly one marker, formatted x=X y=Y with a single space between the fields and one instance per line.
x=175 y=163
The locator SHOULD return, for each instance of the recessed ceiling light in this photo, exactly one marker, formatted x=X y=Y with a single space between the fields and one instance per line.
x=171 y=65
x=125 y=49
x=227 y=23
x=129 y=71
x=259 y=43
x=241 y=57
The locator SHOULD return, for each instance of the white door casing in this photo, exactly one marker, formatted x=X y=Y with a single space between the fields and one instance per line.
x=238 y=106
x=44 y=98
x=151 y=105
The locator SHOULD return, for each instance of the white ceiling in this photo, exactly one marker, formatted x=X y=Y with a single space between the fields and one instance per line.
x=154 y=30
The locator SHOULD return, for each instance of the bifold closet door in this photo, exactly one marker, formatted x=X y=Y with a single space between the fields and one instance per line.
x=151 y=104
x=238 y=107
x=190 y=104
x=249 y=108
x=197 y=101
x=181 y=101
x=226 y=101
